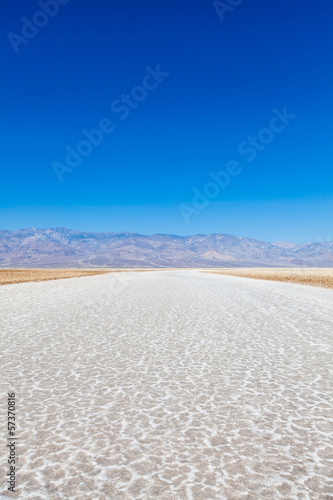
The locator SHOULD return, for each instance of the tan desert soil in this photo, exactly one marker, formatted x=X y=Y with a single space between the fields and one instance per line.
x=303 y=276
x=10 y=276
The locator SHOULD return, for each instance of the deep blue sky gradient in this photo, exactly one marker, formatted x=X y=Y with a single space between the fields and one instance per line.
x=225 y=79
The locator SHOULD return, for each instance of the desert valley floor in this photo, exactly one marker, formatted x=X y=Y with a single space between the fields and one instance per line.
x=169 y=385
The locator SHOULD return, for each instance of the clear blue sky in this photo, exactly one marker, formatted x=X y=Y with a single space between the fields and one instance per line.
x=224 y=79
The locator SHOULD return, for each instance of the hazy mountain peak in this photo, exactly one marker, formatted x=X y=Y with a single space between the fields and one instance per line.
x=63 y=247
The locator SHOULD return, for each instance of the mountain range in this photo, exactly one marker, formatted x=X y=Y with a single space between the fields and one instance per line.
x=61 y=247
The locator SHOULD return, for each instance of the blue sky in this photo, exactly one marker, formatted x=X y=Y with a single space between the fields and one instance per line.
x=222 y=80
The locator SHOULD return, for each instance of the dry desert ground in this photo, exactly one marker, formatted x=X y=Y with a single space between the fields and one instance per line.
x=168 y=385
x=11 y=276
x=322 y=277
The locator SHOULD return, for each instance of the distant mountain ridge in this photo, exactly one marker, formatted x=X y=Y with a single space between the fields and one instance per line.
x=61 y=247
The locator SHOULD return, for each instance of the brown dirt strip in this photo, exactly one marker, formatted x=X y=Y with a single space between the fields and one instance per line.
x=11 y=276
x=304 y=276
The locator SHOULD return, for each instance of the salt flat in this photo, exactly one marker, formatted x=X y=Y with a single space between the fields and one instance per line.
x=169 y=385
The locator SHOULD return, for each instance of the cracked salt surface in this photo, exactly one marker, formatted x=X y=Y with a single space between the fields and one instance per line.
x=169 y=385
